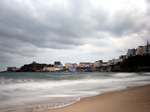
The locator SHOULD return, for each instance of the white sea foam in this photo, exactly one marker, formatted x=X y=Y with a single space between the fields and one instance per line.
x=53 y=90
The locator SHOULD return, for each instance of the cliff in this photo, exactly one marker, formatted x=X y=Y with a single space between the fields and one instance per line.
x=134 y=64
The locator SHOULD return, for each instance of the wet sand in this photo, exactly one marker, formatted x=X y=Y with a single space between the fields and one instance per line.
x=136 y=99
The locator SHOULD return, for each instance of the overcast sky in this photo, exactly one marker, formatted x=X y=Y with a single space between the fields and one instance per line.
x=70 y=30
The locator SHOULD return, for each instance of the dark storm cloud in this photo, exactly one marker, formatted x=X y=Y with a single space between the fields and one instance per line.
x=19 y=23
x=28 y=27
x=60 y=28
x=24 y=31
x=11 y=48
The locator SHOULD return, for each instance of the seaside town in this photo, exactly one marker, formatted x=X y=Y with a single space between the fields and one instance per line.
x=135 y=60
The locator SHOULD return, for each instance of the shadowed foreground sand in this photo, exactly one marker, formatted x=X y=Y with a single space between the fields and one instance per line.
x=135 y=99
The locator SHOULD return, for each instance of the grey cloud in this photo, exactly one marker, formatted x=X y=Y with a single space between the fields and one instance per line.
x=53 y=29
x=11 y=49
x=121 y=51
x=122 y=22
x=48 y=27
x=98 y=52
x=22 y=25
x=28 y=26
x=148 y=1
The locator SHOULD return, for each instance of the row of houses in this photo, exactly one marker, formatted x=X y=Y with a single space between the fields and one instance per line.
x=57 y=66
x=72 y=67
x=141 y=50
x=12 y=69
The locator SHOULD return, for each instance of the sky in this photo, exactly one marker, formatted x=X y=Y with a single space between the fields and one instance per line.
x=73 y=31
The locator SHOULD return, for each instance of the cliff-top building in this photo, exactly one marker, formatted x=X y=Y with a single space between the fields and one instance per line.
x=98 y=63
x=131 y=52
x=142 y=50
x=148 y=48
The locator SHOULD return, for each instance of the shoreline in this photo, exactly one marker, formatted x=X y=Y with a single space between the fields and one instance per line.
x=132 y=99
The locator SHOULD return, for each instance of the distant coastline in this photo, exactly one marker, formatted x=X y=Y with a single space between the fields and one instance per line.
x=132 y=64
x=136 y=60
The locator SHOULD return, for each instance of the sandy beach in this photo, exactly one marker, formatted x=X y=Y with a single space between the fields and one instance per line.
x=136 y=99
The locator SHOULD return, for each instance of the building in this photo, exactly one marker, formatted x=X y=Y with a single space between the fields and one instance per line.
x=12 y=69
x=71 y=66
x=139 y=50
x=91 y=64
x=57 y=64
x=142 y=50
x=104 y=64
x=50 y=69
x=67 y=65
x=147 y=48
x=115 y=61
x=121 y=58
x=131 y=52
x=98 y=63
x=59 y=68
x=110 y=62
x=72 y=69
x=84 y=64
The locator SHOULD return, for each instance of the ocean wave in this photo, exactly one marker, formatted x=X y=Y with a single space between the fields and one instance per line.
x=41 y=89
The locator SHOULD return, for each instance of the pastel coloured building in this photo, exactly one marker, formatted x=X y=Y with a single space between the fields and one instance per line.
x=84 y=64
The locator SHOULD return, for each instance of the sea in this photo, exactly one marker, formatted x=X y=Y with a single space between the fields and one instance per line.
x=37 y=91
